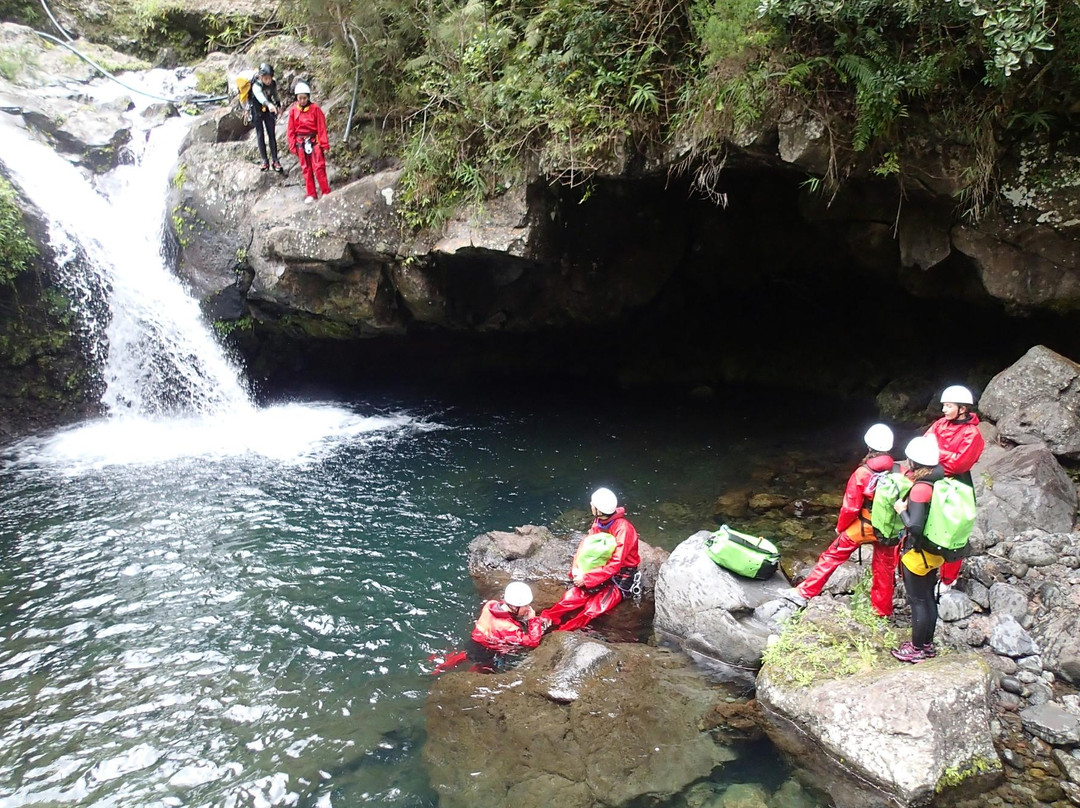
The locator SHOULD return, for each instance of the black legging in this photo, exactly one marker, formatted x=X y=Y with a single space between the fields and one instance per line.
x=268 y=120
x=920 y=596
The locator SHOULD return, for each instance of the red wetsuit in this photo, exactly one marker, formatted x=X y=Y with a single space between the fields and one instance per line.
x=599 y=593
x=500 y=630
x=309 y=124
x=852 y=529
x=960 y=444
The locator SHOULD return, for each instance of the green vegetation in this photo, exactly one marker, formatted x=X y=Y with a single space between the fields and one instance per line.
x=808 y=652
x=479 y=94
x=955 y=775
x=16 y=248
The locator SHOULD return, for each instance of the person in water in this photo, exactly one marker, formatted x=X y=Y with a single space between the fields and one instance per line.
x=918 y=564
x=853 y=527
x=511 y=623
x=308 y=140
x=602 y=589
x=264 y=105
x=960 y=444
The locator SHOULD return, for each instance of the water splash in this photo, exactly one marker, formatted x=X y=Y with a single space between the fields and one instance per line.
x=160 y=357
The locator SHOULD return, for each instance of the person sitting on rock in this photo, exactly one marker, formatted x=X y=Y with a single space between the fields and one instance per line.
x=511 y=623
x=918 y=564
x=961 y=444
x=264 y=105
x=308 y=140
x=600 y=589
x=853 y=527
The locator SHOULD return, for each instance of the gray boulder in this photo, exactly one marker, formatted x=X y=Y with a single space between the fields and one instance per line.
x=1037 y=400
x=1008 y=599
x=576 y=724
x=1023 y=488
x=1059 y=641
x=713 y=613
x=1053 y=723
x=930 y=732
x=955 y=606
x=1008 y=637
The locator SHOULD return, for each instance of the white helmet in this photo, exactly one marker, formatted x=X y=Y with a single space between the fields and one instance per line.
x=301 y=88
x=956 y=394
x=879 y=438
x=923 y=450
x=518 y=593
x=604 y=500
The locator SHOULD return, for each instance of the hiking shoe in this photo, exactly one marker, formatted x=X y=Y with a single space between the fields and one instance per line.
x=277 y=167
x=308 y=200
x=264 y=167
x=908 y=652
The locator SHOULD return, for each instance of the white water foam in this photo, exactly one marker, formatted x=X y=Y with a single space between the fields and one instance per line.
x=171 y=392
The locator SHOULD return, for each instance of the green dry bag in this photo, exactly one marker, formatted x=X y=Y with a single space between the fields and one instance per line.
x=594 y=552
x=743 y=554
x=883 y=518
x=951 y=518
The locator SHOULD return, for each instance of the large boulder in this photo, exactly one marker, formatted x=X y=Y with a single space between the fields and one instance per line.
x=1037 y=400
x=577 y=724
x=894 y=735
x=1023 y=488
x=722 y=620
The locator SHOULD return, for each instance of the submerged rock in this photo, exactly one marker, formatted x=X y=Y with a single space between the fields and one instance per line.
x=577 y=724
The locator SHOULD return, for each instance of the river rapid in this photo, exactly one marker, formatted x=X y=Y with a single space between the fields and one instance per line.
x=241 y=611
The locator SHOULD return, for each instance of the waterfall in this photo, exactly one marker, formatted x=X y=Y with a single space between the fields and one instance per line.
x=159 y=357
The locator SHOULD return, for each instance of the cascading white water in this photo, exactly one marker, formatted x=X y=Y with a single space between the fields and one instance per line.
x=161 y=357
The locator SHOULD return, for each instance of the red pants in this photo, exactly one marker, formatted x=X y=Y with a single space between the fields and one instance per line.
x=882 y=567
x=950 y=571
x=314 y=166
x=592 y=606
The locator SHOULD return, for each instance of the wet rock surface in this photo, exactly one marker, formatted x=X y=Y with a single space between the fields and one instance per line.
x=626 y=727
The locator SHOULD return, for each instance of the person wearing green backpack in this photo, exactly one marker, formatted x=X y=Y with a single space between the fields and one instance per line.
x=853 y=527
x=605 y=566
x=919 y=564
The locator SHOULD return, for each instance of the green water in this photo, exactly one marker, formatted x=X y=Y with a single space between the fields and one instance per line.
x=211 y=623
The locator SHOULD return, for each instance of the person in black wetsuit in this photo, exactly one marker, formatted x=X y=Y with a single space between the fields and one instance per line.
x=264 y=111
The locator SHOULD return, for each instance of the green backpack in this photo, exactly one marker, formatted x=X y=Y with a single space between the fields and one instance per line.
x=951 y=518
x=743 y=554
x=595 y=550
x=883 y=518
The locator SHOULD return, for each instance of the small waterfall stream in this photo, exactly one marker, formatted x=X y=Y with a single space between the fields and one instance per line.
x=159 y=356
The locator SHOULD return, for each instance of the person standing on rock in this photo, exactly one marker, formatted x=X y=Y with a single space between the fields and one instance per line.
x=308 y=140
x=918 y=564
x=600 y=590
x=853 y=527
x=961 y=444
x=264 y=111
x=511 y=623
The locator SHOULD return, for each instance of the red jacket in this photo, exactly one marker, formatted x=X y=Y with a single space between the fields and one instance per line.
x=626 y=548
x=498 y=629
x=959 y=442
x=306 y=122
x=856 y=497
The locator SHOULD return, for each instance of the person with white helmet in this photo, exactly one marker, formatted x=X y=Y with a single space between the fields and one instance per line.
x=264 y=105
x=918 y=564
x=961 y=444
x=511 y=623
x=853 y=527
x=308 y=140
x=602 y=588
